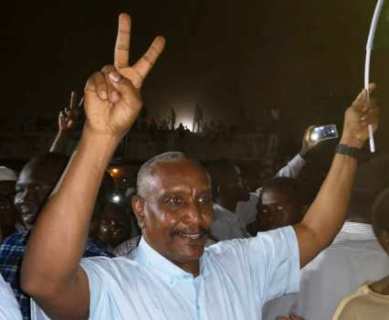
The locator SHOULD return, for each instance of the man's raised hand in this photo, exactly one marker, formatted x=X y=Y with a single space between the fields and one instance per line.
x=139 y=70
x=112 y=96
x=67 y=118
x=358 y=116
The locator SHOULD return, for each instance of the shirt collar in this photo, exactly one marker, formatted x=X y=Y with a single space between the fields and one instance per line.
x=356 y=231
x=166 y=269
x=218 y=208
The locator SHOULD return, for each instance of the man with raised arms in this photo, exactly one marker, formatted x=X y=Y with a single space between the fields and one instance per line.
x=170 y=275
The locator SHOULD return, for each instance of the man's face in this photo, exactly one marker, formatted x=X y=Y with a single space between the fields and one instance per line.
x=233 y=187
x=32 y=189
x=114 y=227
x=241 y=186
x=177 y=211
x=275 y=210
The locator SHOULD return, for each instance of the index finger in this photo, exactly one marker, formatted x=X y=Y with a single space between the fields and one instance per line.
x=122 y=45
x=73 y=98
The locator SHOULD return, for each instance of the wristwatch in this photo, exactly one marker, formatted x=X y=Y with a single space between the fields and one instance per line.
x=348 y=151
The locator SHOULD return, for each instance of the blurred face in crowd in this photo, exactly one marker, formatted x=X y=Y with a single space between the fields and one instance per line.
x=32 y=190
x=275 y=209
x=114 y=226
x=232 y=187
x=176 y=213
x=8 y=214
x=239 y=185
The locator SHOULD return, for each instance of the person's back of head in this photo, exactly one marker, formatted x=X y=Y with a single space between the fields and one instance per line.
x=371 y=178
x=380 y=219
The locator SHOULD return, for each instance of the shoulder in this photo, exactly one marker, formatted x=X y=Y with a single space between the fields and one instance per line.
x=263 y=243
x=106 y=267
x=353 y=305
x=14 y=245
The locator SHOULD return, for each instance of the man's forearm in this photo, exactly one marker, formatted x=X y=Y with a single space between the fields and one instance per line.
x=328 y=211
x=58 y=238
x=60 y=143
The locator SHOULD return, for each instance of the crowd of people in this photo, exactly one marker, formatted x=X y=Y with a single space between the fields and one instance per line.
x=189 y=239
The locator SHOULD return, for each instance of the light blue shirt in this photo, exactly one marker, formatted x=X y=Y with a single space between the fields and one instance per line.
x=236 y=278
x=9 y=308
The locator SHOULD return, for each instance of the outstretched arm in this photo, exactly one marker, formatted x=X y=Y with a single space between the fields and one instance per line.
x=293 y=168
x=66 y=123
x=56 y=245
x=327 y=213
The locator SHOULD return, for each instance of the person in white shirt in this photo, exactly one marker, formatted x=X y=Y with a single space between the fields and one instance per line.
x=280 y=204
x=235 y=208
x=247 y=210
x=9 y=307
x=347 y=263
x=227 y=190
x=371 y=300
x=170 y=275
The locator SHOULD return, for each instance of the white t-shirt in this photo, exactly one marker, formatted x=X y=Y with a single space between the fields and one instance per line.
x=353 y=258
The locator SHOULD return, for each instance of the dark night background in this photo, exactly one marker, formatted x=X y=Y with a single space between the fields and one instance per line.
x=233 y=58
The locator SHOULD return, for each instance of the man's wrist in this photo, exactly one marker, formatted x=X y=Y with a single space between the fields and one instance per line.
x=351 y=142
x=347 y=150
x=100 y=141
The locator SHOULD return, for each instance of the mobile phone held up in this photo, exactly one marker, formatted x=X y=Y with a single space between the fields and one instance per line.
x=322 y=133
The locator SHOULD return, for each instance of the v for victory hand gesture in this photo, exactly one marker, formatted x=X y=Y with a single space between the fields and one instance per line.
x=112 y=96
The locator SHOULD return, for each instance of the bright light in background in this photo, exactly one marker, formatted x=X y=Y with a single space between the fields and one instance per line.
x=186 y=122
x=114 y=172
x=116 y=198
x=184 y=109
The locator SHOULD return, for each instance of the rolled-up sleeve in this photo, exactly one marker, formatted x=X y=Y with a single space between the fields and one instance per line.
x=274 y=262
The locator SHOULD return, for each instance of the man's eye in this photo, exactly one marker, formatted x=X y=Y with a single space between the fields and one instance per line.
x=174 y=201
x=204 y=200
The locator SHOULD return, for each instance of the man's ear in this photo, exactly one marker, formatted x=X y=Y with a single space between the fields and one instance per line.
x=138 y=204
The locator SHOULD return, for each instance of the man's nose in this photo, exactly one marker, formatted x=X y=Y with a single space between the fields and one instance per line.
x=194 y=213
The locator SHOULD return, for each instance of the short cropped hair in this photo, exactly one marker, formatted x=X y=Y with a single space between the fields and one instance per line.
x=285 y=185
x=52 y=161
x=380 y=210
x=146 y=170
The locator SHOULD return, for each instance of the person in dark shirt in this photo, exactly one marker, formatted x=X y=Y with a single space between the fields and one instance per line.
x=33 y=187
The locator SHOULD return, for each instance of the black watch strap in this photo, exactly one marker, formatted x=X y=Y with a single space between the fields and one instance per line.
x=348 y=151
